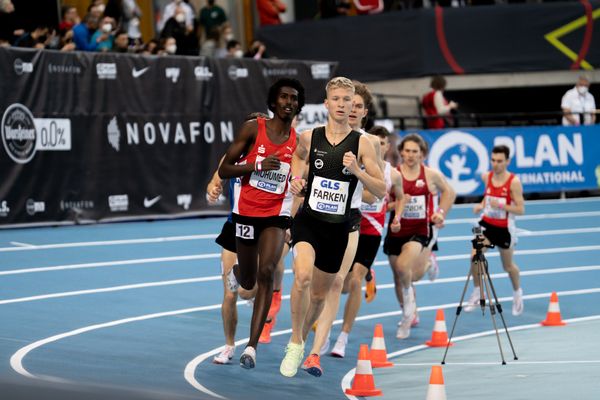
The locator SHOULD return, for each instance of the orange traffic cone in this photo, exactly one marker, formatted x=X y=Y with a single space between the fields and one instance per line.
x=363 y=384
x=378 y=354
x=436 y=390
x=553 y=316
x=439 y=336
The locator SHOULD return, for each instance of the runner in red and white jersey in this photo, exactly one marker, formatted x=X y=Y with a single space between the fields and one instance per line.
x=261 y=155
x=408 y=249
x=502 y=200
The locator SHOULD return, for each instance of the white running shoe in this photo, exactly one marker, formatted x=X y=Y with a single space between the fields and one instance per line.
x=339 y=349
x=517 y=308
x=410 y=304
x=403 y=330
x=232 y=283
x=248 y=358
x=294 y=353
x=225 y=356
x=473 y=301
x=434 y=269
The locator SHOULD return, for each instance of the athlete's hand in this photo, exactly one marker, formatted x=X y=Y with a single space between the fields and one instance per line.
x=395 y=225
x=477 y=208
x=496 y=204
x=350 y=163
x=270 y=163
x=298 y=186
x=213 y=191
x=438 y=219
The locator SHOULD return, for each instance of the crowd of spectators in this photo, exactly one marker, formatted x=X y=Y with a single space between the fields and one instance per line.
x=114 y=26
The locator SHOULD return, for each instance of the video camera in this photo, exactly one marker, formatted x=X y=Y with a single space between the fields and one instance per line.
x=479 y=240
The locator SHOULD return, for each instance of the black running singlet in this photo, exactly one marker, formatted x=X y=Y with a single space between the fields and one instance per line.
x=330 y=185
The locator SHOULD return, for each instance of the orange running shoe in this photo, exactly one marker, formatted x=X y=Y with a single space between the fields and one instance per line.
x=312 y=365
x=275 y=305
x=265 y=335
x=371 y=289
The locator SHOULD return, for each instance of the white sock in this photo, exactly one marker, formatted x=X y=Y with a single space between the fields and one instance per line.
x=343 y=337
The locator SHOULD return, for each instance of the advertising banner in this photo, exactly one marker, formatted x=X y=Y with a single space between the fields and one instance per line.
x=101 y=136
x=546 y=159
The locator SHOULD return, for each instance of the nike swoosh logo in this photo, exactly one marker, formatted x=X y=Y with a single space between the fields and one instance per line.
x=137 y=73
x=151 y=202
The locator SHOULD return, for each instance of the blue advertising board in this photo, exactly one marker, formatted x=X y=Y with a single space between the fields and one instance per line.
x=546 y=159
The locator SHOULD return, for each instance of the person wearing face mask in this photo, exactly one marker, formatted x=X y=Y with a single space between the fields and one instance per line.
x=106 y=29
x=83 y=32
x=578 y=105
x=172 y=10
x=234 y=49
x=169 y=46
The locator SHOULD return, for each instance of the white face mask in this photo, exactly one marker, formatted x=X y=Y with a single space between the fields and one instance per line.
x=180 y=17
x=171 y=48
x=106 y=28
x=101 y=8
x=238 y=54
x=582 y=90
x=229 y=37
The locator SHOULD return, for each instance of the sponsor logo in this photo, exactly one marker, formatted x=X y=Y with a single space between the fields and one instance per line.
x=289 y=148
x=237 y=72
x=22 y=67
x=330 y=185
x=420 y=183
x=280 y=72
x=318 y=163
x=320 y=71
x=261 y=149
x=77 y=205
x=150 y=202
x=4 y=209
x=172 y=73
x=202 y=73
x=287 y=156
x=346 y=171
x=311 y=116
x=22 y=135
x=452 y=151
x=32 y=206
x=184 y=200
x=136 y=73
x=19 y=135
x=327 y=207
x=106 y=70
x=113 y=133
x=271 y=187
x=118 y=202
x=64 y=69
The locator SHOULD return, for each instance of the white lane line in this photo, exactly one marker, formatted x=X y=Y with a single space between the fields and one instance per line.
x=544 y=202
x=347 y=379
x=110 y=263
x=496 y=363
x=21 y=244
x=502 y=275
x=213 y=236
x=526 y=233
x=110 y=242
x=581 y=214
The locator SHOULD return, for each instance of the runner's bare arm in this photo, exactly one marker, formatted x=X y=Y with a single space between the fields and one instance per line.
x=400 y=201
x=447 y=197
x=242 y=144
x=371 y=177
x=300 y=163
x=215 y=186
x=516 y=193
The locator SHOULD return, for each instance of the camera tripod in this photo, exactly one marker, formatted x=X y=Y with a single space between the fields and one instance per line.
x=486 y=288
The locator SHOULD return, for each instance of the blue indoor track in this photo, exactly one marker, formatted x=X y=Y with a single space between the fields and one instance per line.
x=136 y=306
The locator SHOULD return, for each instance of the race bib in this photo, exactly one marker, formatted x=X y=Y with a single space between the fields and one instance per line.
x=494 y=213
x=244 y=231
x=415 y=208
x=328 y=196
x=271 y=181
x=374 y=208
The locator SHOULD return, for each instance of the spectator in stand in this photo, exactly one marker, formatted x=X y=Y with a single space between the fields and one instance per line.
x=179 y=10
x=8 y=29
x=368 y=6
x=168 y=48
x=70 y=18
x=121 y=42
x=578 y=104
x=435 y=104
x=211 y=17
x=66 y=41
x=107 y=29
x=269 y=10
x=257 y=50
x=151 y=48
x=127 y=15
x=83 y=32
x=187 y=41
x=334 y=8
x=216 y=43
x=234 y=49
x=34 y=39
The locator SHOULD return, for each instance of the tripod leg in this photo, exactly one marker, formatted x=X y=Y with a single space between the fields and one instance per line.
x=499 y=307
x=458 y=310
x=493 y=305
